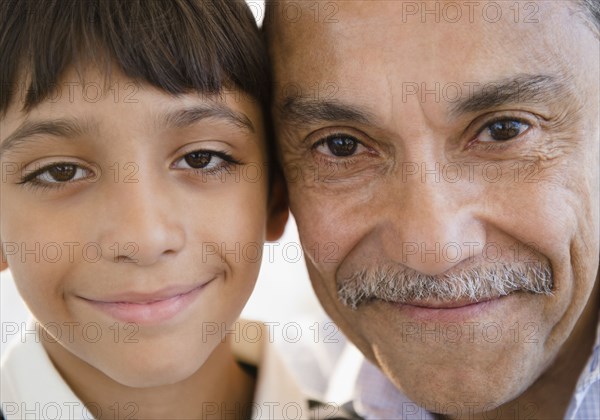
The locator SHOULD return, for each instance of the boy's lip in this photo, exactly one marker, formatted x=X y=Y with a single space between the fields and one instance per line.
x=145 y=308
x=145 y=297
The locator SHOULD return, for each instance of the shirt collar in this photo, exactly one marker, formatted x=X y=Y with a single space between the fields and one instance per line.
x=584 y=390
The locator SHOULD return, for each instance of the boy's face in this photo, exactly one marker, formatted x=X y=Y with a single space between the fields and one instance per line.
x=133 y=221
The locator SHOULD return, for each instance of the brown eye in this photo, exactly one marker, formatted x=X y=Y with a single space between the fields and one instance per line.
x=342 y=145
x=198 y=160
x=62 y=173
x=59 y=173
x=206 y=160
x=503 y=130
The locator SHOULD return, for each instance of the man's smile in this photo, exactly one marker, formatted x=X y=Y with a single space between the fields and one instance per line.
x=451 y=311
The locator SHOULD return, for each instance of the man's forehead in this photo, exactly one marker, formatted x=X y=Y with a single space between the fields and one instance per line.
x=425 y=44
x=286 y=12
x=308 y=24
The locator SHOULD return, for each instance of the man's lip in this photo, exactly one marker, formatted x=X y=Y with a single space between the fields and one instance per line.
x=450 y=311
x=145 y=297
x=454 y=304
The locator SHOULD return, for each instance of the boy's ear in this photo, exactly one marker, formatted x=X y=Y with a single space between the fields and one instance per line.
x=278 y=211
x=3 y=262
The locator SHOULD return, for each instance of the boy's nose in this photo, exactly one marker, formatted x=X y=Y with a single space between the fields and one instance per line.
x=140 y=224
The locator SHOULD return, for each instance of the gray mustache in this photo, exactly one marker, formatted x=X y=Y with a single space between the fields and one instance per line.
x=394 y=283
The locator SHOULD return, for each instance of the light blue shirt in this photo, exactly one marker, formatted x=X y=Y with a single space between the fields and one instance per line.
x=585 y=403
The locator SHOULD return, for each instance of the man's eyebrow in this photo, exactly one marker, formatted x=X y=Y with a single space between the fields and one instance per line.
x=298 y=110
x=26 y=132
x=521 y=89
x=181 y=118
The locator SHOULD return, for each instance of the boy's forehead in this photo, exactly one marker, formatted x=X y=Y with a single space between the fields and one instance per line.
x=88 y=95
x=91 y=101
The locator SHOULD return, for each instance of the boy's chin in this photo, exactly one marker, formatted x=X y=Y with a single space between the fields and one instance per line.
x=156 y=373
x=152 y=379
x=150 y=363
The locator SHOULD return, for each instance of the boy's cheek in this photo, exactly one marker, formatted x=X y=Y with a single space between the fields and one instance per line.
x=40 y=287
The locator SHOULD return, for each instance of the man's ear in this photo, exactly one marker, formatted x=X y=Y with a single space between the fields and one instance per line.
x=278 y=210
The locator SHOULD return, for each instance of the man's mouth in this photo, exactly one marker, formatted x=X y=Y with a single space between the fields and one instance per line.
x=453 y=304
x=447 y=311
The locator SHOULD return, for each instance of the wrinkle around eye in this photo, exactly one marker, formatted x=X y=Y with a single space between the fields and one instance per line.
x=307 y=158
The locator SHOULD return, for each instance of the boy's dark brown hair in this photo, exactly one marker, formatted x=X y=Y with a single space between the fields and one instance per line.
x=179 y=46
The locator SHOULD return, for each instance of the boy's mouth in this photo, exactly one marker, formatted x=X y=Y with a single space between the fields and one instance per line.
x=148 y=308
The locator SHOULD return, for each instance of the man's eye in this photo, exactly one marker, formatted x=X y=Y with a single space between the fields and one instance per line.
x=57 y=173
x=503 y=130
x=340 y=145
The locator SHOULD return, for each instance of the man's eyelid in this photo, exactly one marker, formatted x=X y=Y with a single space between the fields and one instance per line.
x=322 y=135
x=482 y=122
x=488 y=125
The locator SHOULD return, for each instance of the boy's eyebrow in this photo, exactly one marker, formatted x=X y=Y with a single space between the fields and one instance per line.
x=181 y=118
x=70 y=128
x=66 y=128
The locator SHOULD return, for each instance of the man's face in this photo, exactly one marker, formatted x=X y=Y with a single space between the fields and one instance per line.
x=132 y=223
x=443 y=168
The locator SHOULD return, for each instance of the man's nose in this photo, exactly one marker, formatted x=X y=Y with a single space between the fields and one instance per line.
x=432 y=225
x=140 y=222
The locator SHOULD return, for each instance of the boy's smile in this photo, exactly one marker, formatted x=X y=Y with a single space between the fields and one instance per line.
x=148 y=308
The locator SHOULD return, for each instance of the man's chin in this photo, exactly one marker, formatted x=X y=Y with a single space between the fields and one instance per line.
x=458 y=393
x=470 y=357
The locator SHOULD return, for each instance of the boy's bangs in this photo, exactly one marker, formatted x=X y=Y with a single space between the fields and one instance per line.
x=177 y=46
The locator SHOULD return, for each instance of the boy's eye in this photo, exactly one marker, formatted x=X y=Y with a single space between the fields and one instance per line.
x=60 y=173
x=203 y=159
x=198 y=160
x=57 y=173
x=502 y=130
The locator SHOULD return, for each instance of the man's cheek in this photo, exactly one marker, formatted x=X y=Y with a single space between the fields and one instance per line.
x=326 y=231
x=321 y=247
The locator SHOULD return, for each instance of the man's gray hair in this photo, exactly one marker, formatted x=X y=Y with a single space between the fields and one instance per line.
x=592 y=8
